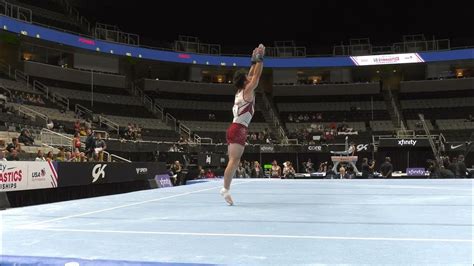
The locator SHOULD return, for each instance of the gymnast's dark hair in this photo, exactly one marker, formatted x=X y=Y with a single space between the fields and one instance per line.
x=240 y=76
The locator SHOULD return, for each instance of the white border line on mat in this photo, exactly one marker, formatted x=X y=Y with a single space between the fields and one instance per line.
x=26 y=226
x=253 y=235
x=413 y=187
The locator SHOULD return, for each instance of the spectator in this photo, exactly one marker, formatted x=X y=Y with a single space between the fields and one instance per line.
x=323 y=167
x=386 y=168
x=13 y=156
x=462 y=166
x=15 y=145
x=50 y=124
x=2 y=156
x=176 y=169
x=76 y=141
x=77 y=126
x=367 y=168
x=100 y=147
x=174 y=148
x=308 y=166
x=276 y=170
x=248 y=168
x=40 y=100
x=49 y=156
x=75 y=156
x=257 y=171
x=470 y=118
x=26 y=138
x=40 y=156
x=240 y=172
x=68 y=156
x=209 y=173
x=342 y=173
x=90 y=143
x=83 y=157
x=201 y=172
x=60 y=157
x=288 y=170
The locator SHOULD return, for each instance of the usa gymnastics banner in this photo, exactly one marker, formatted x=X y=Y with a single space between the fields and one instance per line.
x=27 y=175
x=387 y=59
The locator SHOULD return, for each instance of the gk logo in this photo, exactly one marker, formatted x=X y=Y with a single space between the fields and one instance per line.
x=98 y=171
x=362 y=147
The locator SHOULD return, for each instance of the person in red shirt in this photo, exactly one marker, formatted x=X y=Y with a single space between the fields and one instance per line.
x=209 y=173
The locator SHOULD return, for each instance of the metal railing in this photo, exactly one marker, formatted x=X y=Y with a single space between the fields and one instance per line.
x=41 y=87
x=83 y=111
x=21 y=76
x=399 y=47
x=15 y=11
x=159 y=111
x=109 y=123
x=53 y=96
x=6 y=90
x=114 y=158
x=112 y=33
x=400 y=122
x=56 y=139
x=6 y=68
x=430 y=139
x=184 y=129
x=285 y=51
x=148 y=102
x=74 y=14
x=419 y=46
x=169 y=118
x=31 y=113
x=274 y=117
x=60 y=100
x=188 y=44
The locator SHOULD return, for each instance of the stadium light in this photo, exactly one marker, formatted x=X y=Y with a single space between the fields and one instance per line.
x=139 y=56
x=24 y=32
x=5 y=27
x=234 y=64
x=111 y=51
x=38 y=36
x=207 y=62
x=128 y=54
x=97 y=49
x=194 y=62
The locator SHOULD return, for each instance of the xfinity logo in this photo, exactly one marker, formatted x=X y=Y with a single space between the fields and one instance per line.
x=142 y=171
x=362 y=147
x=266 y=149
x=404 y=142
x=314 y=148
x=98 y=171
x=415 y=171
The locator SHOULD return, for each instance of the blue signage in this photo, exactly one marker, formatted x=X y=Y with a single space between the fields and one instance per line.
x=100 y=46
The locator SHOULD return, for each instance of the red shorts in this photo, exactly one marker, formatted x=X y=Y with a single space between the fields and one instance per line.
x=236 y=133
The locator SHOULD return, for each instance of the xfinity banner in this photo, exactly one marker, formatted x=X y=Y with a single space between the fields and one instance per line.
x=81 y=174
x=404 y=143
x=387 y=59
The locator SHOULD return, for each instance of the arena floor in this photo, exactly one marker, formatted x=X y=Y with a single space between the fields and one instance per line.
x=278 y=222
